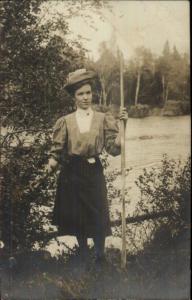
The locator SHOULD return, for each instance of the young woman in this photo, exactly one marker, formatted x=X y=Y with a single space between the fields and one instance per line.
x=81 y=207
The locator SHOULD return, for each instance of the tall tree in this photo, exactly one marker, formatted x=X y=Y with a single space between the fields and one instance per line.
x=178 y=77
x=143 y=71
x=108 y=69
x=164 y=68
x=174 y=70
x=34 y=65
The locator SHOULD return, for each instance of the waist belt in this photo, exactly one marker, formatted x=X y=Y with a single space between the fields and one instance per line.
x=90 y=160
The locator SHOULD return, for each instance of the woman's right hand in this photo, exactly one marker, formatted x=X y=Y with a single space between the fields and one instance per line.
x=52 y=163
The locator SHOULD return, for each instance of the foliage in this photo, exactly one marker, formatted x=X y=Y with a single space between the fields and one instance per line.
x=40 y=276
x=107 y=67
x=174 y=70
x=142 y=71
x=25 y=216
x=186 y=107
x=34 y=66
x=176 y=108
x=167 y=188
x=139 y=111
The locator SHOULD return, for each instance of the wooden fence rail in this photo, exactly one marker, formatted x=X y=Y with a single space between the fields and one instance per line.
x=144 y=217
x=131 y=220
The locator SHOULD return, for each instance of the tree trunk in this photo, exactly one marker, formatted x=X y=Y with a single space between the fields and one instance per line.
x=167 y=93
x=138 y=86
x=100 y=99
x=163 y=86
x=104 y=92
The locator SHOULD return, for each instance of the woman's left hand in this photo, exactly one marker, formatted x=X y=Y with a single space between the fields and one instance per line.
x=123 y=115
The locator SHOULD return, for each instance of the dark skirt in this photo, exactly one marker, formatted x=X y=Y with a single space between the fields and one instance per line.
x=81 y=206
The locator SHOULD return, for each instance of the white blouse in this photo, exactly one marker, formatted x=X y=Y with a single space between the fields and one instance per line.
x=84 y=118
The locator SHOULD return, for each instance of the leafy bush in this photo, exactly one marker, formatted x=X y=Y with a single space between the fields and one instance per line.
x=186 y=107
x=139 y=111
x=23 y=222
x=176 y=108
x=166 y=189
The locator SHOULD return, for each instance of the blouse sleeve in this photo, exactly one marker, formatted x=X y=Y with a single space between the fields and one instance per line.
x=111 y=135
x=59 y=139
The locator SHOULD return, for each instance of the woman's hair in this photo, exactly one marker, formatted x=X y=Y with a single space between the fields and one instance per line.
x=78 y=85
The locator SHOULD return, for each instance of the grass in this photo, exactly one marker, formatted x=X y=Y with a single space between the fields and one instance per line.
x=158 y=272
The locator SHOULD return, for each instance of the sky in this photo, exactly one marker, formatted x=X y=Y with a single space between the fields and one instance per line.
x=135 y=24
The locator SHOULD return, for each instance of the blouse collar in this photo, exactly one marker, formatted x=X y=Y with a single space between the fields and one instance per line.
x=84 y=112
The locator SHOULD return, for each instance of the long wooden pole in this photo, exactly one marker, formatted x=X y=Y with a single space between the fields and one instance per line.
x=123 y=253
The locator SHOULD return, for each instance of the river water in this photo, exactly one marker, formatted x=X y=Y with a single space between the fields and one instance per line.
x=147 y=140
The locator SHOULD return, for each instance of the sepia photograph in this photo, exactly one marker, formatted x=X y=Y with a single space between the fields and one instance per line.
x=95 y=150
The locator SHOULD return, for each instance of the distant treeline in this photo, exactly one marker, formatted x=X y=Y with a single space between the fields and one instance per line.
x=148 y=79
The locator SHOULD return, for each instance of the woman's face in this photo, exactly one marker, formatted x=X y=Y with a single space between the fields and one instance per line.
x=83 y=96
